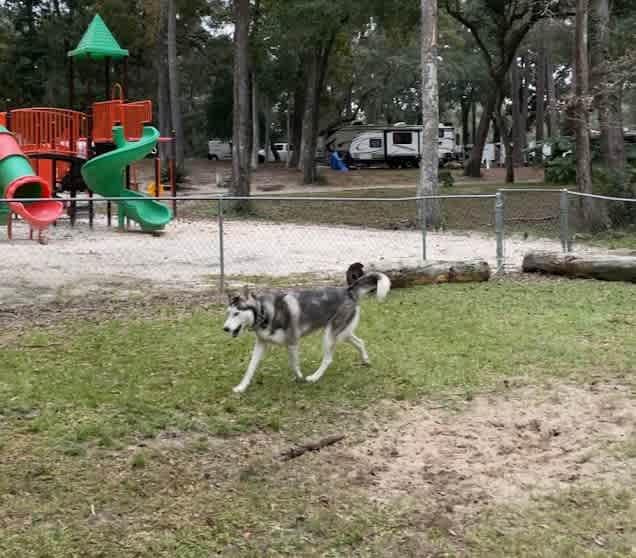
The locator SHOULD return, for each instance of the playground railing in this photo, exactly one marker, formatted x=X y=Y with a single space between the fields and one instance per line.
x=48 y=129
x=134 y=116
x=105 y=115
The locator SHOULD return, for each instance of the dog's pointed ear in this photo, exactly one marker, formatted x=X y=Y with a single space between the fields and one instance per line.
x=233 y=298
x=247 y=294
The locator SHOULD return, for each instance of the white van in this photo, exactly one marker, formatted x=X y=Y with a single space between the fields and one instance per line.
x=219 y=150
x=283 y=149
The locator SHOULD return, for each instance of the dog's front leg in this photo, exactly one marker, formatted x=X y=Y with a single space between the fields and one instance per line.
x=257 y=354
x=294 y=361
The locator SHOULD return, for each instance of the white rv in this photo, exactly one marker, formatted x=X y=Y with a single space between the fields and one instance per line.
x=399 y=146
x=340 y=140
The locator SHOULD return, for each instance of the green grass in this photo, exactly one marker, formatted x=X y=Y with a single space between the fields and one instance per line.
x=102 y=382
x=582 y=523
x=81 y=473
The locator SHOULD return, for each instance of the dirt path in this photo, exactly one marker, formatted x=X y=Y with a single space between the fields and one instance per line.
x=504 y=448
x=76 y=262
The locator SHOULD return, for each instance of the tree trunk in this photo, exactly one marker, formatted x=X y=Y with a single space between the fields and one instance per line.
x=540 y=103
x=165 y=123
x=267 y=113
x=583 y=152
x=607 y=96
x=241 y=119
x=516 y=132
x=256 y=140
x=317 y=73
x=473 y=166
x=429 y=210
x=523 y=127
x=288 y=124
x=553 y=121
x=607 y=268
x=308 y=143
x=439 y=272
x=297 y=124
x=173 y=76
x=465 y=112
x=507 y=142
x=473 y=133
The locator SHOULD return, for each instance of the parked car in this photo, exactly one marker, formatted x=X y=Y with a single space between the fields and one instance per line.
x=219 y=150
x=282 y=149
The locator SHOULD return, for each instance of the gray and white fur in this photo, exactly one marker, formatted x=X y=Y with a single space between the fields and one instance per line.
x=283 y=318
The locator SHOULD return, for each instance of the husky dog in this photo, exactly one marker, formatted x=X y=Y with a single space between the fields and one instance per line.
x=283 y=318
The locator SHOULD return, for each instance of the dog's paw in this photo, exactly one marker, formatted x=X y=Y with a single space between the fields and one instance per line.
x=366 y=363
x=312 y=379
x=239 y=389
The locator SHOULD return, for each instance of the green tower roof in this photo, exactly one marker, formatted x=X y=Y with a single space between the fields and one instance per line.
x=98 y=43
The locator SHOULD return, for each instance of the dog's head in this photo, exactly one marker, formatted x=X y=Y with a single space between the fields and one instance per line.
x=241 y=312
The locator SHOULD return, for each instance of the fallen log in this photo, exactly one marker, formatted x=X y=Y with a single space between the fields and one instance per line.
x=297 y=451
x=439 y=272
x=606 y=267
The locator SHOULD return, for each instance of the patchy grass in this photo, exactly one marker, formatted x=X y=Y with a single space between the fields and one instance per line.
x=614 y=240
x=525 y=213
x=121 y=438
x=572 y=524
x=532 y=213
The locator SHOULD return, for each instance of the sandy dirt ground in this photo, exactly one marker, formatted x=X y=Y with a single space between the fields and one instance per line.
x=76 y=261
x=500 y=448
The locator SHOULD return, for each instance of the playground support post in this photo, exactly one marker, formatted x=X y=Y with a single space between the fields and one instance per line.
x=157 y=174
x=107 y=77
x=89 y=154
x=91 y=209
x=172 y=172
x=125 y=80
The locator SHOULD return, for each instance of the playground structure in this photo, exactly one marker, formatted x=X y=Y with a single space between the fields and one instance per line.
x=73 y=151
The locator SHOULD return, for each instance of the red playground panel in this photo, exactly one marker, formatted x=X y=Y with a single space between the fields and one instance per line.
x=50 y=130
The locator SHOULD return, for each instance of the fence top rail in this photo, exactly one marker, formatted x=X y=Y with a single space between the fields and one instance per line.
x=250 y=198
x=551 y=190
x=599 y=197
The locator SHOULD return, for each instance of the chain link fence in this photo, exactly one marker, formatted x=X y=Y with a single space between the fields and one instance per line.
x=212 y=242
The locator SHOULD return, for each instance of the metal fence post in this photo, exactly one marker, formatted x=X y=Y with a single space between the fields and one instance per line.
x=421 y=203
x=565 y=221
x=221 y=248
x=499 y=229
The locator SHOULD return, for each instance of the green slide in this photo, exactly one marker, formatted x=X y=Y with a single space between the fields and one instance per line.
x=104 y=175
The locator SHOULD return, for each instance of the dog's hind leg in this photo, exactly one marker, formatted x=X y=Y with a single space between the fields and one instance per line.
x=294 y=361
x=329 y=343
x=359 y=344
x=257 y=355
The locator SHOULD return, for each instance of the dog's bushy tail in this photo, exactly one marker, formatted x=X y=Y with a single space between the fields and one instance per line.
x=369 y=282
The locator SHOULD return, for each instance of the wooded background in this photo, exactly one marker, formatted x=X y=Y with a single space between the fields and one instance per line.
x=504 y=67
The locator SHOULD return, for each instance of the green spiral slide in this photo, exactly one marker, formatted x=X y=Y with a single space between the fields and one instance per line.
x=104 y=175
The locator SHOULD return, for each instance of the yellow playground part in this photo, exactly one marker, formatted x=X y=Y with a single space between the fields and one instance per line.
x=151 y=189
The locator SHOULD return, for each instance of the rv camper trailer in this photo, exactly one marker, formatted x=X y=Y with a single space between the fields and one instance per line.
x=399 y=146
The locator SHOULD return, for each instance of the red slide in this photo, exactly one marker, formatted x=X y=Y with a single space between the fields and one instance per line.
x=17 y=180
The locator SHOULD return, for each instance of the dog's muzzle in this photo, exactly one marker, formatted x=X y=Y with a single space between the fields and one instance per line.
x=234 y=332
